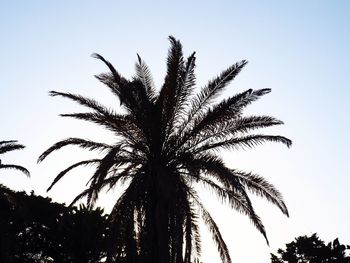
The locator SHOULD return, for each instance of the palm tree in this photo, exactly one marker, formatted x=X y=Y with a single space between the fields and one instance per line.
x=168 y=142
x=7 y=146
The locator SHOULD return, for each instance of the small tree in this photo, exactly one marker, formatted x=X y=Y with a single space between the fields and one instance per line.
x=312 y=250
x=45 y=231
x=7 y=195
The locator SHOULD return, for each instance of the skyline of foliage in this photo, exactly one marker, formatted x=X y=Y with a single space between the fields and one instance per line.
x=34 y=229
x=311 y=249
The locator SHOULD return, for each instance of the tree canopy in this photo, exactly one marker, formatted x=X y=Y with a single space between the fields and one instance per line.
x=311 y=249
x=33 y=229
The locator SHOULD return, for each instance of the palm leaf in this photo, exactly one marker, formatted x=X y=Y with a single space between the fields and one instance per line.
x=184 y=90
x=211 y=91
x=65 y=171
x=120 y=124
x=97 y=188
x=213 y=228
x=261 y=187
x=144 y=75
x=227 y=129
x=15 y=167
x=169 y=93
x=85 y=144
x=117 y=77
x=5 y=142
x=87 y=102
x=249 y=141
x=102 y=170
x=239 y=201
x=9 y=146
x=226 y=110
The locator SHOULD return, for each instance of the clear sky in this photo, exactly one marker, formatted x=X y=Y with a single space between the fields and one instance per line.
x=300 y=49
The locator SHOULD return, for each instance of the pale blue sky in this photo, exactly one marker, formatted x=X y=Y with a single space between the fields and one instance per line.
x=300 y=49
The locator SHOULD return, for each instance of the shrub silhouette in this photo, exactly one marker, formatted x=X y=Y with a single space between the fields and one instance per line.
x=313 y=250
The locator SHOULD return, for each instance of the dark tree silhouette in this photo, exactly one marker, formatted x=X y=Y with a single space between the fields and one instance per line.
x=35 y=229
x=165 y=142
x=7 y=202
x=311 y=249
x=84 y=234
x=7 y=146
x=7 y=196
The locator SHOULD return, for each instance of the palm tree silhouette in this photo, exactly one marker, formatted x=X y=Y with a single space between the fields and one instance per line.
x=7 y=146
x=167 y=142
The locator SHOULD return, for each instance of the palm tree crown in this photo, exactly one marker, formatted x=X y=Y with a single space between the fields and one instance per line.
x=168 y=140
x=7 y=146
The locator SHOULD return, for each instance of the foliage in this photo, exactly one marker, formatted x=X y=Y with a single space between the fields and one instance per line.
x=33 y=229
x=311 y=249
x=8 y=200
x=165 y=141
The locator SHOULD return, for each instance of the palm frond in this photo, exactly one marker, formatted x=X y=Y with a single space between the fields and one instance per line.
x=213 y=166
x=184 y=90
x=97 y=188
x=117 y=77
x=97 y=119
x=109 y=81
x=10 y=146
x=10 y=141
x=133 y=96
x=15 y=167
x=245 y=141
x=102 y=169
x=239 y=200
x=87 y=102
x=228 y=129
x=144 y=75
x=227 y=110
x=65 y=171
x=214 y=230
x=169 y=93
x=192 y=234
x=120 y=124
x=246 y=124
x=128 y=172
x=211 y=91
x=233 y=106
x=231 y=190
x=215 y=86
x=116 y=83
x=121 y=216
x=261 y=187
x=85 y=144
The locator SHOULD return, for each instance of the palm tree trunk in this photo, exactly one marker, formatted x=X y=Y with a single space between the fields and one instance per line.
x=162 y=235
x=160 y=217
